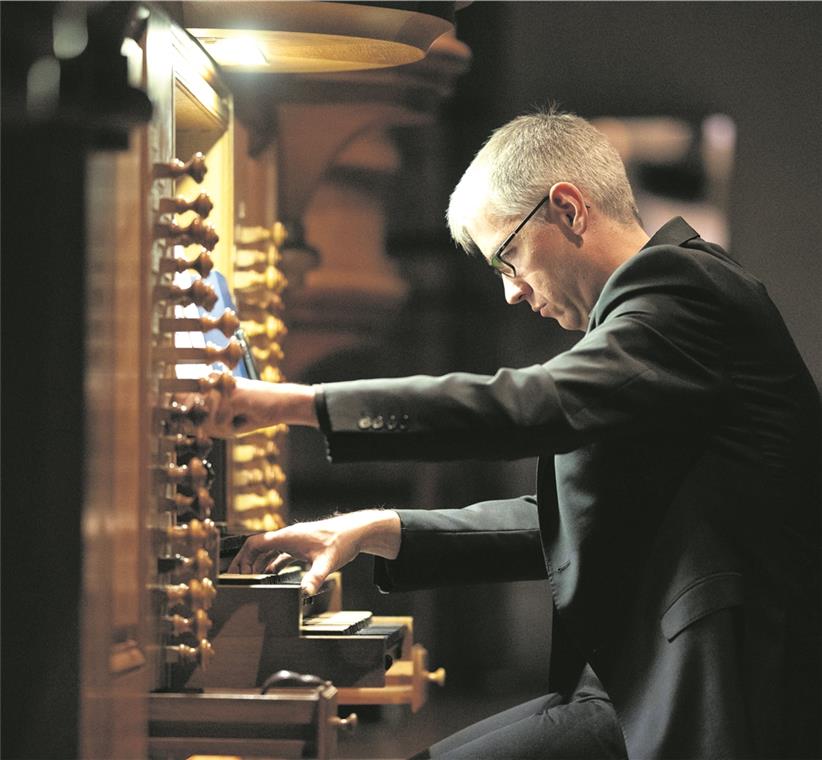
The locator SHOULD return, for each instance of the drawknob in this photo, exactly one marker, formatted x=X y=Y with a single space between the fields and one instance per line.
x=346 y=724
x=201 y=205
x=194 y=474
x=269 y=499
x=198 y=444
x=200 y=655
x=199 y=293
x=193 y=534
x=228 y=323
x=200 y=503
x=268 y=328
x=195 y=168
x=203 y=264
x=197 y=231
x=176 y=413
x=271 y=280
x=200 y=564
x=199 y=624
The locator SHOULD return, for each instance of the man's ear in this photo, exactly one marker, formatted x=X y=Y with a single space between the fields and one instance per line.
x=568 y=209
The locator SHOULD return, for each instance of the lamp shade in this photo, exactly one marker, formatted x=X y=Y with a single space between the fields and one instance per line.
x=307 y=37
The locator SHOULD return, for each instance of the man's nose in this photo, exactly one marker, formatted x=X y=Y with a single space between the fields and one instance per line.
x=514 y=289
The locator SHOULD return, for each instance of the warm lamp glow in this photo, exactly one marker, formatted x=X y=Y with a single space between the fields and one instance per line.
x=240 y=51
x=313 y=37
x=294 y=52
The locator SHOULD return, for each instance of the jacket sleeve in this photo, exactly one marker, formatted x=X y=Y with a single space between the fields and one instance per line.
x=492 y=541
x=652 y=358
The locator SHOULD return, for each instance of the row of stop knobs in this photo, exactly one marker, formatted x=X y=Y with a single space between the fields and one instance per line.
x=187 y=567
x=186 y=602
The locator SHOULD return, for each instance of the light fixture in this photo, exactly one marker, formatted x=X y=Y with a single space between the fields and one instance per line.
x=308 y=37
x=240 y=51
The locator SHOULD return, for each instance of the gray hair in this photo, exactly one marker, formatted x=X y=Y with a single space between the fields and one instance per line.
x=522 y=159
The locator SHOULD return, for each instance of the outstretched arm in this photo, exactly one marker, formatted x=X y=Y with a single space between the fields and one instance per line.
x=255 y=404
x=328 y=544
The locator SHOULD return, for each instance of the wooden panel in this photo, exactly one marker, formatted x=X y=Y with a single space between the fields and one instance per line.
x=285 y=723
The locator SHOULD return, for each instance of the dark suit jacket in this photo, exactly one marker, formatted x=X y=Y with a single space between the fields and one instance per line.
x=677 y=505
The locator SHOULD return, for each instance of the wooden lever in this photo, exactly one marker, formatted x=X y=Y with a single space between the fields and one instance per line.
x=229 y=355
x=197 y=231
x=251 y=258
x=275 y=234
x=201 y=654
x=256 y=307
x=227 y=324
x=269 y=328
x=199 y=292
x=200 y=504
x=199 y=445
x=198 y=593
x=177 y=413
x=271 y=374
x=201 y=205
x=265 y=474
x=272 y=353
x=223 y=383
x=199 y=624
x=203 y=264
x=200 y=564
x=346 y=724
x=272 y=280
x=270 y=499
x=193 y=533
x=194 y=474
x=195 y=167
x=245 y=453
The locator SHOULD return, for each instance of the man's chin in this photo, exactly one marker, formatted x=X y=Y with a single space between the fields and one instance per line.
x=568 y=322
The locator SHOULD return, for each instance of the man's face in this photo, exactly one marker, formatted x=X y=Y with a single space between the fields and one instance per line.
x=550 y=272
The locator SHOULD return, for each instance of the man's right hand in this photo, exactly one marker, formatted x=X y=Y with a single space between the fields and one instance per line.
x=327 y=544
x=254 y=404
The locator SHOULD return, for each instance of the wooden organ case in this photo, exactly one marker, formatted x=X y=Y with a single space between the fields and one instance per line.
x=185 y=289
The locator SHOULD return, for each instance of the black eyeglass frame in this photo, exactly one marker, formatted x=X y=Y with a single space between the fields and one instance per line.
x=499 y=264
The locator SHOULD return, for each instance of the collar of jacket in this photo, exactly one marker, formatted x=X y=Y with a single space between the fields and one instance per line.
x=675 y=232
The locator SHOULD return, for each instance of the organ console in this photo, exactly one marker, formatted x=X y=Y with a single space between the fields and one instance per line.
x=180 y=276
x=214 y=663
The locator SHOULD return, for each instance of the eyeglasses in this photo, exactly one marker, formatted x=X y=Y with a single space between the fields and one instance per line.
x=496 y=261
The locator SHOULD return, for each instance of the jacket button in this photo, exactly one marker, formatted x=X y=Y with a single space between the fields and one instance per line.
x=364 y=423
x=391 y=424
x=403 y=423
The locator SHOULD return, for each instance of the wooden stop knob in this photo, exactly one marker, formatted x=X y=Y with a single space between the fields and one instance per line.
x=195 y=168
x=198 y=444
x=202 y=593
x=177 y=413
x=197 y=231
x=228 y=323
x=229 y=355
x=194 y=474
x=203 y=264
x=346 y=724
x=199 y=292
x=200 y=205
